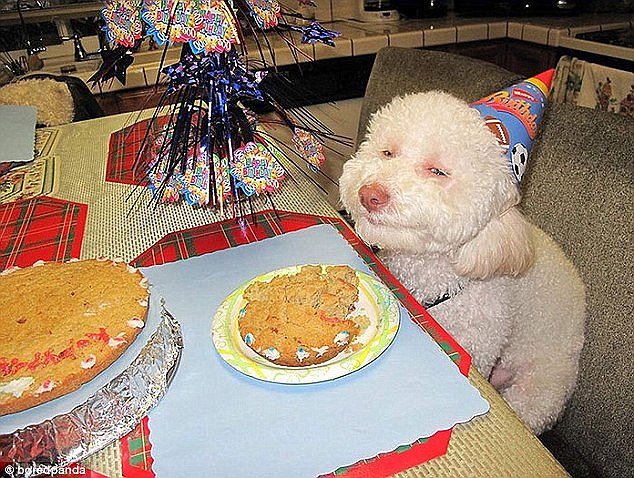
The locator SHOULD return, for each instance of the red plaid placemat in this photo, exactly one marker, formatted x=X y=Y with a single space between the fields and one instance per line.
x=230 y=233
x=123 y=148
x=41 y=228
x=136 y=459
x=222 y=235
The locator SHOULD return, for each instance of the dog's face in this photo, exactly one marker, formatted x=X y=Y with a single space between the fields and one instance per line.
x=429 y=177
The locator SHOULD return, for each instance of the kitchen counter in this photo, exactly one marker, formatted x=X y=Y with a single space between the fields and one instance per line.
x=366 y=38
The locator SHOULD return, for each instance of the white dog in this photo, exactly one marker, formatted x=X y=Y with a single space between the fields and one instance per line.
x=431 y=188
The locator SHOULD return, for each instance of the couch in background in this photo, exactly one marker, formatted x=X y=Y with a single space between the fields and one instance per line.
x=579 y=187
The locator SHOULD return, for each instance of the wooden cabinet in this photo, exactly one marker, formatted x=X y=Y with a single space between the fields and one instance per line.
x=125 y=101
x=529 y=58
x=520 y=57
x=493 y=51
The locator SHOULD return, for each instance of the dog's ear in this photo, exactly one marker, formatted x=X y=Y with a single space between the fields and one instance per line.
x=503 y=247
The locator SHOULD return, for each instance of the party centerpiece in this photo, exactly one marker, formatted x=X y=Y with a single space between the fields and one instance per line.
x=213 y=149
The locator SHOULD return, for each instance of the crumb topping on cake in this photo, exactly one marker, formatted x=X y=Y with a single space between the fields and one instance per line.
x=301 y=319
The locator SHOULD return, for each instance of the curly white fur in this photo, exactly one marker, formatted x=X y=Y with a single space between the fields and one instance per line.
x=430 y=187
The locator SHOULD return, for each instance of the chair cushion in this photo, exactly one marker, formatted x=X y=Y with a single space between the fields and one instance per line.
x=52 y=99
x=579 y=187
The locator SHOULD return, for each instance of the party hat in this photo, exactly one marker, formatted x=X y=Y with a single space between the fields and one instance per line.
x=513 y=115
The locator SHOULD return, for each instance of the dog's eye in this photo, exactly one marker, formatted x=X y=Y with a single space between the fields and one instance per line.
x=387 y=153
x=437 y=172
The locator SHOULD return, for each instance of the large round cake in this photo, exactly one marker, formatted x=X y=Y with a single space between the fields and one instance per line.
x=301 y=319
x=62 y=324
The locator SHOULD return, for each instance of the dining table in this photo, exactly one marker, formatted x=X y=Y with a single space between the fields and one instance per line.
x=404 y=413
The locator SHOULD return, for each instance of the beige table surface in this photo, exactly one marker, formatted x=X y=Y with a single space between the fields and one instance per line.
x=496 y=444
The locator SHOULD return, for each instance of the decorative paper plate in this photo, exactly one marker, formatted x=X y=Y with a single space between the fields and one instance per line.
x=376 y=302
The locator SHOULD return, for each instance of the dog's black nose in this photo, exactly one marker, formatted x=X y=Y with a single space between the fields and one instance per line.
x=374 y=196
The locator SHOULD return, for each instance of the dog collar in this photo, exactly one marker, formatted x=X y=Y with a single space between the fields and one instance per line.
x=439 y=300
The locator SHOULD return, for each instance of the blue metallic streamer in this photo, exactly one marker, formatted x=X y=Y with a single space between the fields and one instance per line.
x=214 y=68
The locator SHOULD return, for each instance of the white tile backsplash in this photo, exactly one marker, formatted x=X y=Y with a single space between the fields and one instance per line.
x=342 y=48
x=514 y=30
x=369 y=45
x=411 y=39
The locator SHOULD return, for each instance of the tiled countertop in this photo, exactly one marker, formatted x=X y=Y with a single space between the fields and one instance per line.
x=362 y=38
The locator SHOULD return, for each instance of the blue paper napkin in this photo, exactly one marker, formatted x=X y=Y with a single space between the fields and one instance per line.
x=216 y=422
x=17 y=133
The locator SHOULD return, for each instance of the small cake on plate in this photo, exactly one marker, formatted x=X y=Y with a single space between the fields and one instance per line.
x=62 y=324
x=301 y=319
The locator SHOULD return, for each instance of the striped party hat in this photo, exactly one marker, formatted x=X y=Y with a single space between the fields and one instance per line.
x=513 y=115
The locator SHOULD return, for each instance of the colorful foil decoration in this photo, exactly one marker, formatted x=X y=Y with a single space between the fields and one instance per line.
x=114 y=64
x=266 y=13
x=189 y=183
x=212 y=149
x=255 y=169
x=309 y=148
x=123 y=24
x=207 y=25
x=172 y=20
x=218 y=30
x=315 y=33
x=191 y=186
x=222 y=179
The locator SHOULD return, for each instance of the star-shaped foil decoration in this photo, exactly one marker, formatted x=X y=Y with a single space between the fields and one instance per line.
x=315 y=32
x=115 y=63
